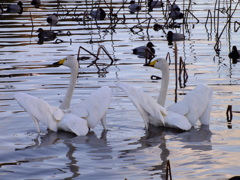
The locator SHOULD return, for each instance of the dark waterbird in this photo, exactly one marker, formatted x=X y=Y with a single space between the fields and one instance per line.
x=15 y=8
x=46 y=35
x=98 y=14
x=52 y=19
x=174 y=37
x=234 y=55
x=175 y=12
x=133 y=7
x=154 y=4
x=145 y=51
x=36 y=3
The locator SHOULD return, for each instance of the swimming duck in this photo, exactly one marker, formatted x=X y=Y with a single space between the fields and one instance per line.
x=155 y=4
x=98 y=14
x=145 y=51
x=175 y=12
x=174 y=37
x=133 y=7
x=36 y=3
x=157 y=27
x=45 y=35
x=52 y=19
x=234 y=55
x=15 y=8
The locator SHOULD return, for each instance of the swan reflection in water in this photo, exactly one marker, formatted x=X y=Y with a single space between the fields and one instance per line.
x=152 y=148
x=196 y=139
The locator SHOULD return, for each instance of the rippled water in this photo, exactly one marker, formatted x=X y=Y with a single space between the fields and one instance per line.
x=126 y=150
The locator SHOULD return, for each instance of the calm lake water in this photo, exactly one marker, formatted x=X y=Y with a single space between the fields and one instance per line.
x=126 y=150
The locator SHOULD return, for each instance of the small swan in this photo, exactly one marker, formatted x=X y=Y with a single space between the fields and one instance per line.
x=234 y=55
x=15 y=8
x=76 y=119
x=98 y=14
x=133 y=7
x=145 y=51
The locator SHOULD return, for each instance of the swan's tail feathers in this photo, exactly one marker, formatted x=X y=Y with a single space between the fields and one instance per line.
x=73 y=123
x=178 y=121
x=205 y=117
x=145 y=104
x=95 y=106
x=38 y=109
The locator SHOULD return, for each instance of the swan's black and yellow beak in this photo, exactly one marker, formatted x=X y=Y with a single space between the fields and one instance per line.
x=151 y=64
x=59 y=63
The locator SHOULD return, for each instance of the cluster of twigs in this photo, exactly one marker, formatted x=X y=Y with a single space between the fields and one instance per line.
x=101 y=71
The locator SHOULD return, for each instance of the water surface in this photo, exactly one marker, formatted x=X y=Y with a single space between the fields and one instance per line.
x=126 y=150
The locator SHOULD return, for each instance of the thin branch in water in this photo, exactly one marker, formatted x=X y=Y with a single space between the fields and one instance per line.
x=168 y=171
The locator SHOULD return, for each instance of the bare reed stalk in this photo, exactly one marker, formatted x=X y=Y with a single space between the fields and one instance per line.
x=176 y=73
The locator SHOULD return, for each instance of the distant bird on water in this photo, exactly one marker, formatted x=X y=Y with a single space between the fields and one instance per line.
x=234 y=55
x=45 y=35
x=52 y=19
x=155 y=4
x=133 y=7
x=36 y=3
x=175 y=12
x=15 y=8
x=145 y=51
x=174 y=37
x=98 y=14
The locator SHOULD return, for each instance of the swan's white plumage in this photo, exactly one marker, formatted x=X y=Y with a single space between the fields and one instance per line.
x=78 y=119
x=94 y=107
x=145 y=105
x=152 y=112
x=39 y=109
x=196 y=105
x=183 y=115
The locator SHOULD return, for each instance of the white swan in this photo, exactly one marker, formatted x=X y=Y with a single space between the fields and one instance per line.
x=196 y=105
x=77 y=119
x=183 y=115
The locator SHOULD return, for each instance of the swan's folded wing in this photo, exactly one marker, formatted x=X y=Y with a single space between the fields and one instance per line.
x=38 y=109
x=95 y=105
x=179 y=108
x=146 y=102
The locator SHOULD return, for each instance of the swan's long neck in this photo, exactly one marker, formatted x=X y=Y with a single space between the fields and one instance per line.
x=164 y=86
x=68 y=96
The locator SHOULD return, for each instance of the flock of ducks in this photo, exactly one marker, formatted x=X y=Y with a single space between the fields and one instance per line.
x=79 y=118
